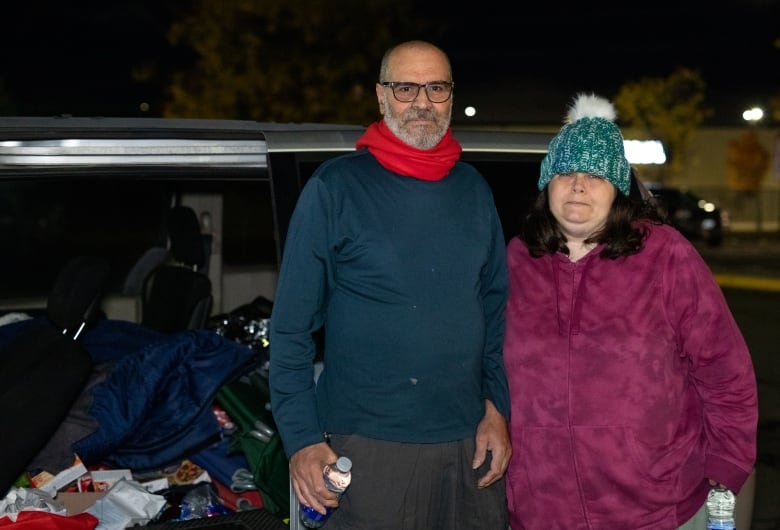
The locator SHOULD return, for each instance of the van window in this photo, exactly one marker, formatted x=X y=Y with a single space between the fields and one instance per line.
x=45 y=222
x=513 y=182
x=248 y=225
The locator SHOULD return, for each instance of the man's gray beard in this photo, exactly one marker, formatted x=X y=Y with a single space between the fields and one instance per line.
x=424 y=140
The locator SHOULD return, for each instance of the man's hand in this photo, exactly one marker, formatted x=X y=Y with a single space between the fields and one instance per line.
x=493 y=436
x=306 y=476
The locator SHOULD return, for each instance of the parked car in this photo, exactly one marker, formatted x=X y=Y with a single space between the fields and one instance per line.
x=105 y=187
x=696 y=218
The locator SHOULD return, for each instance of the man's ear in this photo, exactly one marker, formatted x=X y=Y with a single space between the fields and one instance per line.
x=380 y=98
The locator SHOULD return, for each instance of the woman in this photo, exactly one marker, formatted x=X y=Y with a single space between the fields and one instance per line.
x=632 y=388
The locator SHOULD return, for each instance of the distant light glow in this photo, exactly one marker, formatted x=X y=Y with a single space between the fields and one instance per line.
x=706 y=205
x=644 y=151
x=470 y=112
x=754 y=114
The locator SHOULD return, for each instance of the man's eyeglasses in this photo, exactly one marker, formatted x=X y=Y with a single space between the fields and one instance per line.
x=437 y=91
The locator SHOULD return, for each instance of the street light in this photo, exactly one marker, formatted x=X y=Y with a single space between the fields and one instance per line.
x=753 y=115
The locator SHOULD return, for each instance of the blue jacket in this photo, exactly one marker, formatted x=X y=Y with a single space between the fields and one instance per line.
x=148 y=401
x=155 y=404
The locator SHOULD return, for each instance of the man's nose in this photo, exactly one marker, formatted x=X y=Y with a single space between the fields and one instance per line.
x=422 y=99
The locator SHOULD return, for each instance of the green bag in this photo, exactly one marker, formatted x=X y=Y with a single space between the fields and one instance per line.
x=245 y=401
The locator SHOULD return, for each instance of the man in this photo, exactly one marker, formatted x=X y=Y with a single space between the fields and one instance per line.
x=397 y=251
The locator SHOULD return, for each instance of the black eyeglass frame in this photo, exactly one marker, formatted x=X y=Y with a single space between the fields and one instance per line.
x=408 y=84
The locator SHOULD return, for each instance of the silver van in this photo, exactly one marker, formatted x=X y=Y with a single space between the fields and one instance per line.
x=73 y=186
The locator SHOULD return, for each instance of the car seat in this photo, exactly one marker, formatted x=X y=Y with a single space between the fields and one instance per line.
x=44 y=368
x=177 y=295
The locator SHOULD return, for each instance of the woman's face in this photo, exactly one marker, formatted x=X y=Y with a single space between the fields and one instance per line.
x=580 y=203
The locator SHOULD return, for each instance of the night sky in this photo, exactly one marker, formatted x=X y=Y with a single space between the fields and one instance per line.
x=538 y=60
x=73 y=57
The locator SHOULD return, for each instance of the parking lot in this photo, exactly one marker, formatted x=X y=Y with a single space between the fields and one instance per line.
x=747 y=266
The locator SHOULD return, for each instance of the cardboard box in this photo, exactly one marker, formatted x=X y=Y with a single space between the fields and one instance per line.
x=77 y=502
x=51 y=483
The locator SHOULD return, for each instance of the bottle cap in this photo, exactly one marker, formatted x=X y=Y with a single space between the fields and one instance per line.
x=343 y=464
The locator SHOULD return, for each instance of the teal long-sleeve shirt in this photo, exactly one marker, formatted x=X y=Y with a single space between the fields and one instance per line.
x=408 y=278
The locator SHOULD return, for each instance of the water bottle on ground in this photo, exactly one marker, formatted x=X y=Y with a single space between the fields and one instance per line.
x=337 y=477
x=721 y=506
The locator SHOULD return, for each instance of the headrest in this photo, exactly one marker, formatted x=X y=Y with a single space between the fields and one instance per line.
x=74 y=298
x=185 y=237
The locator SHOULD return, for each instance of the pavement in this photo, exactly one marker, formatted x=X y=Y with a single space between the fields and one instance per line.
x=751 y=256
x=751 y=260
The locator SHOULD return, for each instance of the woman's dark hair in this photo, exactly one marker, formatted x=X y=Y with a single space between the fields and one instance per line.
x=623 y=234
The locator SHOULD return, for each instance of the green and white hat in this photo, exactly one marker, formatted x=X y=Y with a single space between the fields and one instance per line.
x=589 y=142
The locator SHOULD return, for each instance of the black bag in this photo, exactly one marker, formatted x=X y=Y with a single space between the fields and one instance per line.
x=45 y=367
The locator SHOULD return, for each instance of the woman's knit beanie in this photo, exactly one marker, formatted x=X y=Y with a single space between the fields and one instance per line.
x=589 y=142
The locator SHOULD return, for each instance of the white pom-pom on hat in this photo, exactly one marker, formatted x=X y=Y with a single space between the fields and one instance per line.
x=590 y=106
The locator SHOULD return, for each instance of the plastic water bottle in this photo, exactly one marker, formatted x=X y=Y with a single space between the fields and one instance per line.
x=721 y=505
x=337 y=477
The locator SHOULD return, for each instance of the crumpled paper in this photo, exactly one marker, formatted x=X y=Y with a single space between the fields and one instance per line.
x=29 y=499
x=126 y=504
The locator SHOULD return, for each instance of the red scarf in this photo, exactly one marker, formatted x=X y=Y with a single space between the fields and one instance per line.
x=401 y=158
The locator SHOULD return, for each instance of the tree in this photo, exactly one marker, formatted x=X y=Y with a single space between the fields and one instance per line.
x=747 y=162
x=666 y=109
x=285 y=60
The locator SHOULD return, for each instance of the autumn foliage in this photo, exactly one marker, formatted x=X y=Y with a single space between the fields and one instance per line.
x=747 y=162
x=284 y=60
x=668 y=109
